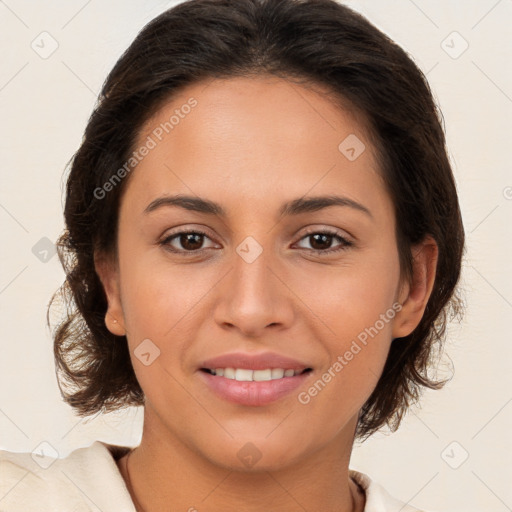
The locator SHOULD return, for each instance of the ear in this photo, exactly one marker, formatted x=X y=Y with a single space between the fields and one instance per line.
x=108 y=272
x=414 y=296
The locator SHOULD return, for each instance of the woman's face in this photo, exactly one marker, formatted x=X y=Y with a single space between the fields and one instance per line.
x=280 y=279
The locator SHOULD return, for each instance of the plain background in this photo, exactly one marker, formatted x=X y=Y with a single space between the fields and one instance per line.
x=453 y=453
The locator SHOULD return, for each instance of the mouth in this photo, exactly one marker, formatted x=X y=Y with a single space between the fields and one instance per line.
x=254 y=388
x=248 y=375
x=253 y=379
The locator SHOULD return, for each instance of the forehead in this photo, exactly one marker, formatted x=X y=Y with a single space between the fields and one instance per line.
x=255 y=139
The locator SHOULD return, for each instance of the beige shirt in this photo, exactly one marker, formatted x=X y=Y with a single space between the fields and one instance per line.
x=88 y=480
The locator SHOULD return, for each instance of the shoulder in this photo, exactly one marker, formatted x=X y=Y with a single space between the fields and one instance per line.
x=377 y=498
x=87 y=479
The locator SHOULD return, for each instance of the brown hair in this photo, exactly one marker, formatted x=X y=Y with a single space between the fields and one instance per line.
x=316 y=41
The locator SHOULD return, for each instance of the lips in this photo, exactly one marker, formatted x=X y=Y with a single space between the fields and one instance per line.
x=253 y=380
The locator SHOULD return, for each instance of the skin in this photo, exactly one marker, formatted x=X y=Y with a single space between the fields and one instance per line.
x=250 y=145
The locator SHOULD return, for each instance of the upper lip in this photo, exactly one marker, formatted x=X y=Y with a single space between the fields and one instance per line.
x=260 y=361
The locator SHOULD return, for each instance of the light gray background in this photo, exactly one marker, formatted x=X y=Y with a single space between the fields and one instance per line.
x=45 y=103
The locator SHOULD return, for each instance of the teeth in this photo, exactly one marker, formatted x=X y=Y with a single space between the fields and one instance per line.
x=244 y=375
x=277 y=373
x=260 y=375
x=229 y=373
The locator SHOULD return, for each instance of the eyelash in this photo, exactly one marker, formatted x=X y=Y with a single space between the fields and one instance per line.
x=344 y=243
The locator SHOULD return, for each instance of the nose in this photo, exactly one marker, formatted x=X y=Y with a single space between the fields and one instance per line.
x=254 y=297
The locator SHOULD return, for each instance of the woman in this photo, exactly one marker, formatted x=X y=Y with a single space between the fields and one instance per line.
x=263 y=245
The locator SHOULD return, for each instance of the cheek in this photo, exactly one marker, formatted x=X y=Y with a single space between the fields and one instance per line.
x=159 y=304
x=156 y=294
x=351 y=297
x=162 y=302
x=356 y=305
x=356 y=358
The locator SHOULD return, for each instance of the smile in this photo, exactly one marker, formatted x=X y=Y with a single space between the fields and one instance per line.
x=246 y=375
x=253 y=387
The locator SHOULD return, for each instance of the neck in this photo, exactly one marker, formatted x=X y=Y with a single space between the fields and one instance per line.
x=162 y=471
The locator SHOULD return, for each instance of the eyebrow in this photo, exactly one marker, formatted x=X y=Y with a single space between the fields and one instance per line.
x=294 y=207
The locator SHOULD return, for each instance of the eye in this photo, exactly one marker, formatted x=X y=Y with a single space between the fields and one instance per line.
x=192 y=242
x=187 y=241
x=321 y=242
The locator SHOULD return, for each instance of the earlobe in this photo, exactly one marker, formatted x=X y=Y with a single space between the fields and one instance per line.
x=109 y=276
x=113 y=325
x=425 y=256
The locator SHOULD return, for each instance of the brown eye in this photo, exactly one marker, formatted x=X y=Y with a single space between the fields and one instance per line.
x=185 y=241
x=191 y=241
x=321 y=242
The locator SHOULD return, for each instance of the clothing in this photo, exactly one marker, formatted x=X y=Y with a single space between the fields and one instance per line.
x=88 y=480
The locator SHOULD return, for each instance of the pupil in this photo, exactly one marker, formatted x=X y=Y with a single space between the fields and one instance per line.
x=191 y=241
x=323 y=239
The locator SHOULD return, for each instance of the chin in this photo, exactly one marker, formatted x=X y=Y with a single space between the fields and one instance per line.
x=254 y=454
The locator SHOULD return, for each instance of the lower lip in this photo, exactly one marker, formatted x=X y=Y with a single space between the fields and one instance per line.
x=253 y=393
